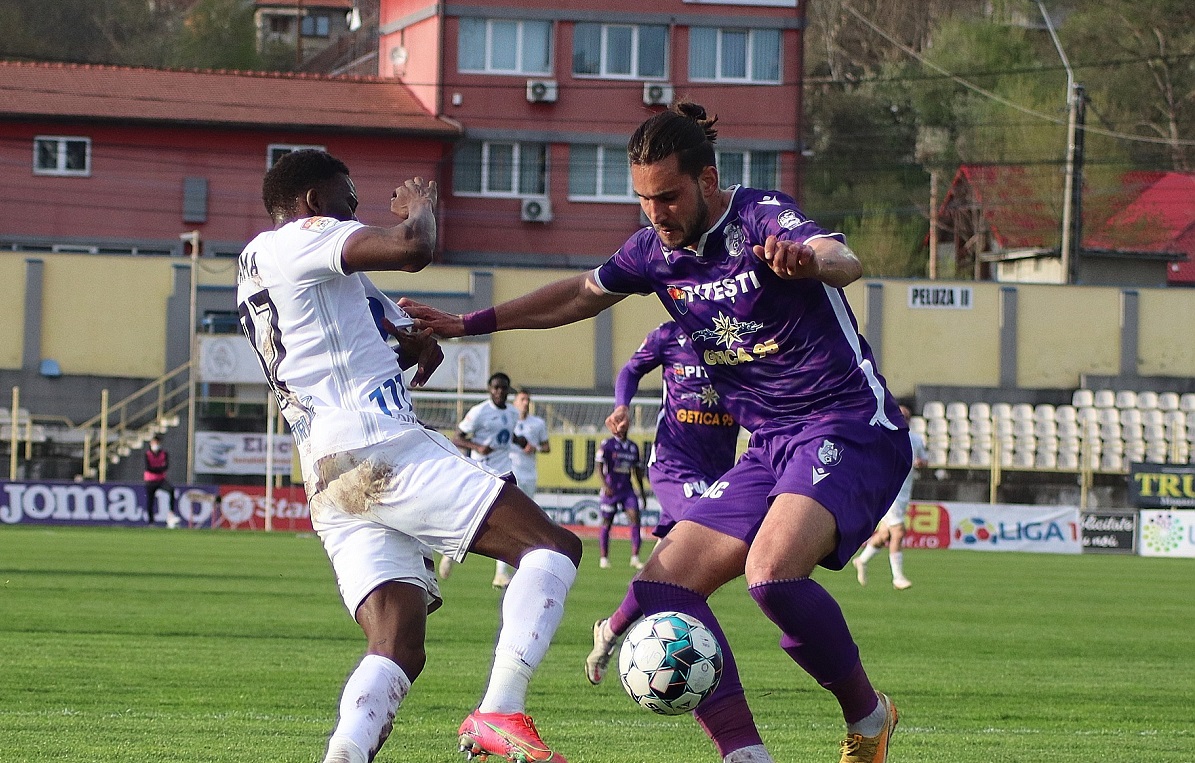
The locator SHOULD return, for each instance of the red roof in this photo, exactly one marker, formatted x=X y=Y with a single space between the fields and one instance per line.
x=223 y=98
x=1016 y=202
x=309 y=4
x=1158 y=215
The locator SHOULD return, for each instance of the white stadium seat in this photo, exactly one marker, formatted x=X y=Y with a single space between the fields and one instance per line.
x=1130 y=416
x=981 y=426
x=1022 y=412
x=1147 y=400
x=980 y=412
x=1068 y=460
x=1044 y=412
x=1134 y=451
x=1023 y=459
x=1108 y=415
x=1001 y=411
x=1083 y=398
x=981 y=457
x=934 y=410
x=1105 y=398
x=958 y=457
x=937 y=427
x=1045 y=428
x=917 y=424
x=1152 y=416
x=958 y=427
x=1126 y=398
x=1065 y=413
x=937 y=456
x=956 y=411
x=1168 y=401
x=1068 y=429
x=1132 y=431
x=1187 y=402
x=1045 y=459
x=1112 y=462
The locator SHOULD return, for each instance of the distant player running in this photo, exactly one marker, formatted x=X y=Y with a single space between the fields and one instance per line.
x=757 y=286
x=383 y=490
x=695 y=443
x=618 y=461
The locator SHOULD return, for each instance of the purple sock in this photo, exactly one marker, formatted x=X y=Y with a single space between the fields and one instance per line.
x=724 y=714
x=604 y=540
x=817 y=638
x=636 y=539
x=628 y=612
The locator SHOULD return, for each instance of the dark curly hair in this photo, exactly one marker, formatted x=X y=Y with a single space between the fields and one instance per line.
x=293 y=175
x=684 y=130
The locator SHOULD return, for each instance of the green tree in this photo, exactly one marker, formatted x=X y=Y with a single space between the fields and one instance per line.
x=218 y=34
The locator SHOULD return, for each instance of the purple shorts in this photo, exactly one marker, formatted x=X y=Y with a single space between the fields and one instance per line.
x=611 y=505
x=677 y=488
x=850 y=467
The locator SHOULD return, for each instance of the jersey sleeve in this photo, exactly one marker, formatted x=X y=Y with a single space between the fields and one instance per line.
x=601 y=455
x=776 y=214
x=626 y=271
x=644 y=359
x=390 y=310
x=310 y=249
x=468 y=424
x=540 y=431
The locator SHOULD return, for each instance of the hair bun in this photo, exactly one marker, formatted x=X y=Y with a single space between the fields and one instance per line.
x=692 y=111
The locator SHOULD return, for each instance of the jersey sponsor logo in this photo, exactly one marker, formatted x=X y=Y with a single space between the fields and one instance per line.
x=723 y=288
x=740 y=355
x=716 y=490
x=727 y=331
x=680 y=371
x=318 y=224
x=788 y=219
x=708 y=418
x=735 y=240
x=829 y=453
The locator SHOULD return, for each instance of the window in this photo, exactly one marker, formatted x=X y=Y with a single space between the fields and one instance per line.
x=757 y=169
x=599 y=173
x=316 y=25
x=53 y=155
x=735 y=55
x=279 y=25
x=485 y=168
x=615 y=50
x=498 y=46
x=278 y=150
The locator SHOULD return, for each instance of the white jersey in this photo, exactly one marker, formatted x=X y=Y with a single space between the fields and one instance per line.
x=535 y=430
x=920 y=453
x=487 y=424
x=318 y=335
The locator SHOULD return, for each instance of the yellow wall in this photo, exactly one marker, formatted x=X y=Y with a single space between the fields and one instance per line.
x=1063 y=332
x=12 y=308
x=1166 y=344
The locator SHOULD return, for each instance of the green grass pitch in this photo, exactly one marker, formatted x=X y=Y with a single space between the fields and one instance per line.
x=149 y=645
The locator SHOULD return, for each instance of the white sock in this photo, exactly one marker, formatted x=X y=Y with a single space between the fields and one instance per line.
x=531 y=611
x=872 y=724
x=368 y=703
x=867 y=554
x=897 y=561
x=502 y=568
x=756 y=753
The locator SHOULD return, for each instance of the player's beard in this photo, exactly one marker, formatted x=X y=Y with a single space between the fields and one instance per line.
x=696 y=226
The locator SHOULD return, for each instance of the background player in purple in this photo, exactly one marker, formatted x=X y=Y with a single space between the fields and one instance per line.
x=758 y=288
x=696 y=439
x=618 y=461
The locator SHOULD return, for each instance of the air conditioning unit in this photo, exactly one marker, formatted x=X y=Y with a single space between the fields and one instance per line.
x=536 y=209
x=657 y=93
x=541 y=91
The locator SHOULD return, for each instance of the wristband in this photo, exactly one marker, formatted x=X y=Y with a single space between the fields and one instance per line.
x=480 y=322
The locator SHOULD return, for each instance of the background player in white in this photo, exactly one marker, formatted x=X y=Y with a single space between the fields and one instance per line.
x=529 y=440
x=383 y=490
x=485 y=434
x=891 y=530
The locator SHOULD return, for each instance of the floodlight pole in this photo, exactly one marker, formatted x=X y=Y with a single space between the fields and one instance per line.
x=193 y=239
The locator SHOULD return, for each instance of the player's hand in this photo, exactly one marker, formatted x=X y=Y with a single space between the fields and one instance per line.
x=443 y=325
x=619 y=420
x=788 y=259
x=413 y=191
x=416 y=348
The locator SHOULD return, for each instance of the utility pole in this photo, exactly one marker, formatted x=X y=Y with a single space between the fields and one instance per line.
x=933 y=224
x=192 y=238
x=1072 y=195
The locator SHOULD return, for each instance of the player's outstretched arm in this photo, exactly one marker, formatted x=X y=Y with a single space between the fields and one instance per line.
x=825 y=259
x=407 y=246
x=557 y=304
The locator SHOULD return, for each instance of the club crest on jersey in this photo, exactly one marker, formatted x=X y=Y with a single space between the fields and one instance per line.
x=679 y=298
x=318 y=224
x=829 y=453
x=789 y=219
x=727 y=331
x=735 y=240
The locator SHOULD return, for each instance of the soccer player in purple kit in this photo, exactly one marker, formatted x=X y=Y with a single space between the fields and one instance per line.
x=618 y=462
x=696 y=439
x=758 y=288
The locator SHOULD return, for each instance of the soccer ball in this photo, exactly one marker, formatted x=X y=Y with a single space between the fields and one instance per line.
x=670 y=662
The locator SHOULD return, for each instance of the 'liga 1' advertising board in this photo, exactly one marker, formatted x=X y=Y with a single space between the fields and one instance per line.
x=1167 y=532
x=994 y=527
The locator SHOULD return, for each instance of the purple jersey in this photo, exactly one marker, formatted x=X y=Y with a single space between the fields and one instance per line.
x=777 y=350
x=694 y=431
x=621 y=458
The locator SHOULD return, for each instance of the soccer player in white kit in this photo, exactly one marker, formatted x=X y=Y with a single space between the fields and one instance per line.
x=384 y=491
x=529 y=440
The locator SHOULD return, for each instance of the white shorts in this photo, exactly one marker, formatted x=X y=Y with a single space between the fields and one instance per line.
x=896 y=514
x=383 y=509
x=527 y=483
